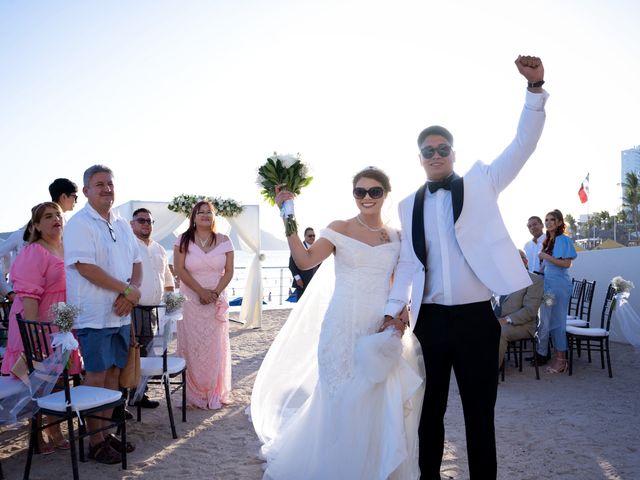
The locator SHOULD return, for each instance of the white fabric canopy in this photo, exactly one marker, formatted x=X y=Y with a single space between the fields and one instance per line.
x=169 y=225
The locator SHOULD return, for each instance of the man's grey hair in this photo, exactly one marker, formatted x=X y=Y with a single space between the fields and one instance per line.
x=91 y=171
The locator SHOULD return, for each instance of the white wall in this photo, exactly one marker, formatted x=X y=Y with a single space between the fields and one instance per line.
x=602 y=266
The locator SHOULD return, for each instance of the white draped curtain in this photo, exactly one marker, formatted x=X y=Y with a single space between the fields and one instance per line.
x=247 y=226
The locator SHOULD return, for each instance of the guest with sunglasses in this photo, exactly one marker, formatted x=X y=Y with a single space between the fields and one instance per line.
x=156 y=279
x=104 y=273
x=333 y=397
x=455 y=253
x=301 y=278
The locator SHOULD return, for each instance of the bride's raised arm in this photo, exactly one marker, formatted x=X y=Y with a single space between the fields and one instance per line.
x=304 y=258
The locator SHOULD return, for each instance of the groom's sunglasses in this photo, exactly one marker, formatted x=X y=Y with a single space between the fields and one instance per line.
x=443 y=150
x=374 y=192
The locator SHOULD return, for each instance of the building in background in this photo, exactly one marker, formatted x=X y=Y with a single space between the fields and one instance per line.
x=630 y=162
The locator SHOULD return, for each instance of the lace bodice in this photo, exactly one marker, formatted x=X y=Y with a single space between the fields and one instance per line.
x=362 y=282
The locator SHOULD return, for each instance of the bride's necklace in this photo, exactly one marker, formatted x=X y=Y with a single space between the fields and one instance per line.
x=367 y=226
x=204 y=243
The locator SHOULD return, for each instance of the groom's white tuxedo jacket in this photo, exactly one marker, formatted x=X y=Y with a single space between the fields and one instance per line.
x=479 y=228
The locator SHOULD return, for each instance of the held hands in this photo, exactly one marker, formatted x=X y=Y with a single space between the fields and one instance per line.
x=530 y=68
x=122 y=306
x=208 y=296
x=396 y=323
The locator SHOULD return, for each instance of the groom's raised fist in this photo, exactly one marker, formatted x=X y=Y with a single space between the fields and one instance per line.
x=531 y=68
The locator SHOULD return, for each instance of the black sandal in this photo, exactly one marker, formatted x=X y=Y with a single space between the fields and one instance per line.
x=115 y=443
x=103 y=453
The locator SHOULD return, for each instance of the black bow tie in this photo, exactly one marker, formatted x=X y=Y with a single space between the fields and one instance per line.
x=446 y=184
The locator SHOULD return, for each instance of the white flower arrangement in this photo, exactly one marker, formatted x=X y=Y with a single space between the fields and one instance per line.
x=621 y=285
x=225 y=207
x=173 y=301
x=549 y=299
x=63 y=315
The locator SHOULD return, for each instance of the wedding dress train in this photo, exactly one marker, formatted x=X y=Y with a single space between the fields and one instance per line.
x=334 y=399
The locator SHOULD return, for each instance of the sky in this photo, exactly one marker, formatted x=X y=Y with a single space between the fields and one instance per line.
x=192 y=96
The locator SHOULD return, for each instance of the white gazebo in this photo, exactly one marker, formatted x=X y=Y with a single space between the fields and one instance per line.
x=168 y=225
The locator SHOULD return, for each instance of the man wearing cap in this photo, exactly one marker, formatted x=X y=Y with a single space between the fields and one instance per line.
x=455 y=253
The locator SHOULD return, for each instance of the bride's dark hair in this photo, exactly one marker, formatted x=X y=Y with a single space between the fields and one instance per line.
x=376 y=174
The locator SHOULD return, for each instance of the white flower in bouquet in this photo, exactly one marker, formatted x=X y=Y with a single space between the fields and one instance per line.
x=549 y=299
x=63 y=315
x=173 y=301
x=621 y=285
x=288 y=160
x=289 y=173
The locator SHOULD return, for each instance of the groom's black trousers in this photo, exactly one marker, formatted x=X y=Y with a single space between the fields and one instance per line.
x=465 y=337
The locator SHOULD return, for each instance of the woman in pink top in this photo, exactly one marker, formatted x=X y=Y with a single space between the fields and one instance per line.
x=203 y=260
x=39 y=281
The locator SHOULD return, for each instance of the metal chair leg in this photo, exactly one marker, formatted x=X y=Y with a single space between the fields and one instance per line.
x=167 y=394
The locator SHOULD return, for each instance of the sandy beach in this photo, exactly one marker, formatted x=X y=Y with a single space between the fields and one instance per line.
x=581 y=427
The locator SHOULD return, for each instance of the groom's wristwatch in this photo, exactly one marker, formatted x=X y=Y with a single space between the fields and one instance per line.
x=535 y=84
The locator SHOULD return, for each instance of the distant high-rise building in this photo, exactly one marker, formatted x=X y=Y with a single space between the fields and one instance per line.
x=630 y=162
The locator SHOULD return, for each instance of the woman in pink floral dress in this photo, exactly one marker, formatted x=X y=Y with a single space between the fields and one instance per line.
x=203 y=260
x=39 y=281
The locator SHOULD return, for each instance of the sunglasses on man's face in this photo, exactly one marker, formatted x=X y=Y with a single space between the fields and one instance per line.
x=443 y=150
x=142 y=221
x=373 y=192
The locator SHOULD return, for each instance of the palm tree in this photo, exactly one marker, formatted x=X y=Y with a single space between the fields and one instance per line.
x=571 y=221
x=631 y=197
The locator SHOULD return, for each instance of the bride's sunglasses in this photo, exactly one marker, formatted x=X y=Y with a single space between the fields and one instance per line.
x=374 y=192
x=443 y=150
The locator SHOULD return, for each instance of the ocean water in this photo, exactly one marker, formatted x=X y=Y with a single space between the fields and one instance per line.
x=276 y=277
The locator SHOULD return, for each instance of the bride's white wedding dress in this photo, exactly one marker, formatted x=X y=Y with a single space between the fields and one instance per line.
x=333 y=399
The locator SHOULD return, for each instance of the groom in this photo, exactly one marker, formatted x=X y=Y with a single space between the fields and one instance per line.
x=455 y=252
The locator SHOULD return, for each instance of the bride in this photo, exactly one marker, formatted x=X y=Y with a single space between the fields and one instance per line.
x=339 y=394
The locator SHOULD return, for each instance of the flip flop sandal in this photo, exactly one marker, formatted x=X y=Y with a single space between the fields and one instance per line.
x=103 y=453
x=116 y=444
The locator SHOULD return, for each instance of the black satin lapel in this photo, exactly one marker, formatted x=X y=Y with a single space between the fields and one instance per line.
x=417 y=226
x=457 y=197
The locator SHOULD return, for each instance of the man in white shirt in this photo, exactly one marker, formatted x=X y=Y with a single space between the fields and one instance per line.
x=455 y=253
x=103 y=269
x=63 y=192
x=156 y=279
x=534 y=246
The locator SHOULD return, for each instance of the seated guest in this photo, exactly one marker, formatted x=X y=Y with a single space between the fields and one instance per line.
x=156 y=279
x=518 y=311
x=102 y=263
x=39 y=281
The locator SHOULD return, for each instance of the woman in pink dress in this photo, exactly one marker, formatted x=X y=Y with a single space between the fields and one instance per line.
x=39 y=281
x=203 y=260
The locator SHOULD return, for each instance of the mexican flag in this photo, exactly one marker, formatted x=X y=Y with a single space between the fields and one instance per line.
x=583 y=193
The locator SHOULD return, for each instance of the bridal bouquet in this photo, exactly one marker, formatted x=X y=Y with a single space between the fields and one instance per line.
x=289 y=173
